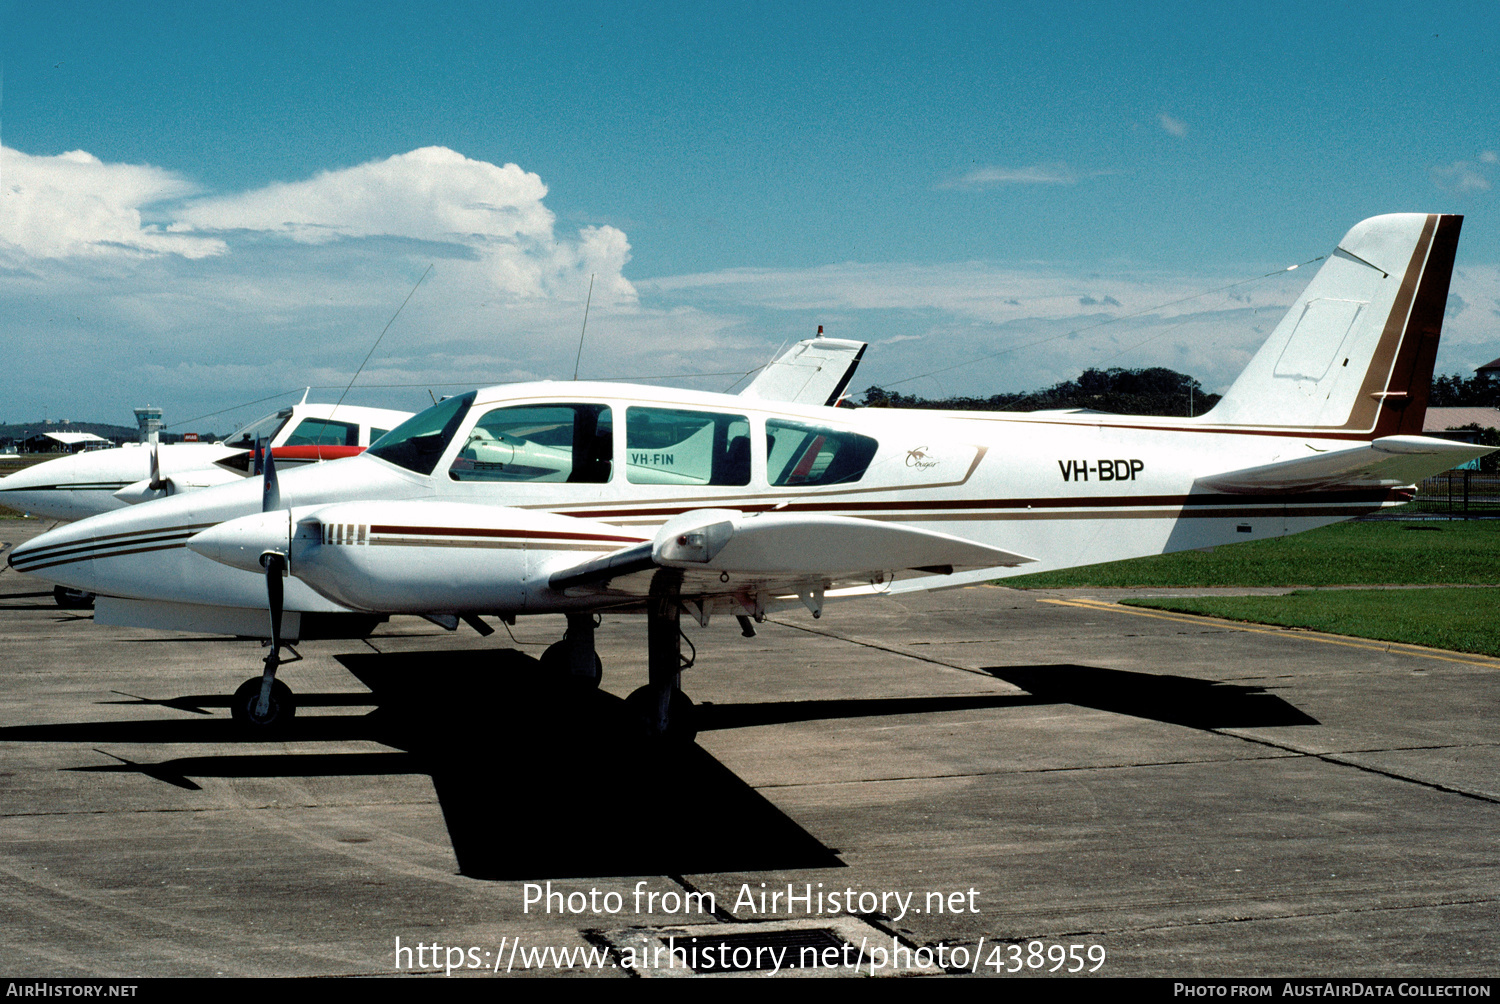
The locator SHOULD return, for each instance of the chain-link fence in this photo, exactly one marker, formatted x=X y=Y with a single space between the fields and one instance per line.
x=1458 y=494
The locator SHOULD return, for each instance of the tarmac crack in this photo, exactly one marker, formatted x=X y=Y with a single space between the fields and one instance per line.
x=1290 y=755
x=1296 y=915
x=881 y=648
x=1337 y=759
x=213 y=808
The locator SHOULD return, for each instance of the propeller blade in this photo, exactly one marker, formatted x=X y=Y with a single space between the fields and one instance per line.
x=156 y=483
x=270 y=488
x=275 y=564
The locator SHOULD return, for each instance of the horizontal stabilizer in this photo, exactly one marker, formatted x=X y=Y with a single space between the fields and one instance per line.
x=1387 y=462
x=814 y=371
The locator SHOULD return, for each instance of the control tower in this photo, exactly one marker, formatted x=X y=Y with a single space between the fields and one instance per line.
x=149 y=420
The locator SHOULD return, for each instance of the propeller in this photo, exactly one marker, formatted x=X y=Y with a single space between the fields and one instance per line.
x=270 y=487
x=275 y=564
x=158 y=484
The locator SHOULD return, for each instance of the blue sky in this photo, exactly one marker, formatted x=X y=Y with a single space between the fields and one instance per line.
x=264 y=183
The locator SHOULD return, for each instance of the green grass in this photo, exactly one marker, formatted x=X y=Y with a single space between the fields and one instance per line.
x=1464 y=620
x=1460 y=552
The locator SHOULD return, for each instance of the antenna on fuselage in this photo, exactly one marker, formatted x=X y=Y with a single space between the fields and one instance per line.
x=376 y=345
x=586 y=304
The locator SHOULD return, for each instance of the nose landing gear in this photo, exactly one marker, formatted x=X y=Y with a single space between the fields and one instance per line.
x=244 y=706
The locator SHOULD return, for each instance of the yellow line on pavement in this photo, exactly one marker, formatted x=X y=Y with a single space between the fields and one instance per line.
x=1303 y=633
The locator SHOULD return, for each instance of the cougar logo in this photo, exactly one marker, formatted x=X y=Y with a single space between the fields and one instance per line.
x=918 y=458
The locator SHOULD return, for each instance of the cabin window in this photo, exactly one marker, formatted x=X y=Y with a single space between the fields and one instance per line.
x=324 y=432
x=539 y=442
x=805 y=455
x=375 y=433
x=665 y=446
x=418 y=442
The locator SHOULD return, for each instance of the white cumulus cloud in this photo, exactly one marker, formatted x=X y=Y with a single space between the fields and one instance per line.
x=432 y=194
x=121 y=281
x=75 y=205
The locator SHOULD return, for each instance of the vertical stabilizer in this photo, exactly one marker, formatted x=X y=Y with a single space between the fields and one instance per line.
x=1355 y=353
x=814 y=371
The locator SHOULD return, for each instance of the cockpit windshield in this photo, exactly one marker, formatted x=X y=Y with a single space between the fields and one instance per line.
x=418 y=442
x=262 y=431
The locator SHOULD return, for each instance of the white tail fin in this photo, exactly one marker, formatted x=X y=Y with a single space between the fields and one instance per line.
x=814 y=371
x=1354 y=355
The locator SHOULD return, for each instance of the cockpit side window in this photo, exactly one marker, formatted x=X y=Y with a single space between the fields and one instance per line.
x=571 y=443
x=665 y=446
x=806 y=455
x=262 y=431
x=418 y=442
x=324 y=432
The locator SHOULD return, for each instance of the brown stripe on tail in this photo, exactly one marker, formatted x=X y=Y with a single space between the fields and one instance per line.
x=1403 y=405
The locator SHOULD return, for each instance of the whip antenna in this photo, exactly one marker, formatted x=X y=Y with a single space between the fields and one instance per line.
x=586 y=304
x=377 y=342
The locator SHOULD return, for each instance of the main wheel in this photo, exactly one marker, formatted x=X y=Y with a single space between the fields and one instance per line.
x=72 y=599
x=682 y=714
x=555 y=662
x=242 y=706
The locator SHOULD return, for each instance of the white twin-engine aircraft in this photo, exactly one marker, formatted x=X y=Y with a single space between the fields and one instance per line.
x=98 y=481
x=577 y=498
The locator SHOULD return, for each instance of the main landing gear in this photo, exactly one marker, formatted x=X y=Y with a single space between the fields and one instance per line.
x=660 y=709
x=573 y=660
x=666 y=711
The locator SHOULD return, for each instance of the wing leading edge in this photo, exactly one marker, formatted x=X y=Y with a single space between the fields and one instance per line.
x=724 y=552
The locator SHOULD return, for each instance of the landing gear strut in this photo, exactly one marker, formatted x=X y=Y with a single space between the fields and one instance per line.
x=667 y=712
x=264 y=702
x=573 y=660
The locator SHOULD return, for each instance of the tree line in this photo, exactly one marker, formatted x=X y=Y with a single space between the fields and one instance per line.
x=1153 y=391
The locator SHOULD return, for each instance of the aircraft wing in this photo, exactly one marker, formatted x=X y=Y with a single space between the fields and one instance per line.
x=1387 y=462
x=726 y=553
x=814 y=371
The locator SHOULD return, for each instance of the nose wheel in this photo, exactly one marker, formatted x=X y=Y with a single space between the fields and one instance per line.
x=244 y=706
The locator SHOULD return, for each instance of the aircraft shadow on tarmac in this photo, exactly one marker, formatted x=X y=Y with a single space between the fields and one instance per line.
x=533 y=784
x=49 y=604
x=1176 y=700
